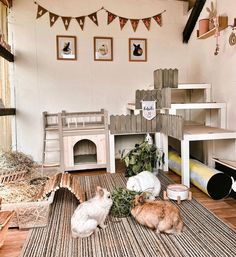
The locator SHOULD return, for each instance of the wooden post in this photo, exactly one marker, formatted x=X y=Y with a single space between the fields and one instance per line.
x=112 y=153
x=165 y=151
x=62 y=163
x=105 y=119
x=185 y=172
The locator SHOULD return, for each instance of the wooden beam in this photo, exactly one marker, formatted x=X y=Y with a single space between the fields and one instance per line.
x=6 y=54
x=191 y=3
x=8 y=3
x=7 y=111
x=197 y=9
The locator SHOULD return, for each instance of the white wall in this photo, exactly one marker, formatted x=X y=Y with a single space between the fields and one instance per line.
x=42 y=83
x=219 y=70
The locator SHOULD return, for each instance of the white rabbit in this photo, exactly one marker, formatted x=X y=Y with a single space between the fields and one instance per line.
x=91 y=214
x=145 y=181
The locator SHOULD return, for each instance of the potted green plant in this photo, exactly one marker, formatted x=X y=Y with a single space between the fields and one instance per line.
x=144 y=156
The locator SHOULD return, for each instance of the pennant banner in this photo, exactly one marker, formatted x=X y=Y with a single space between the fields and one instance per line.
x=93 y=16
x=81 y=20
x=158 y=19
x=40 y=12
x=66 y=21
x=53 y=18
x=110 y=17
x=147 y=23
x=122 y=21
x=134 y=23
x=149 y=109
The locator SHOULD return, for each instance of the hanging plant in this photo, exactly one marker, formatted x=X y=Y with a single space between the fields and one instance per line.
x=144 y=156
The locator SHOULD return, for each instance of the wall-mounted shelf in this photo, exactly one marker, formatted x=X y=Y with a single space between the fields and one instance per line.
x=223 y=24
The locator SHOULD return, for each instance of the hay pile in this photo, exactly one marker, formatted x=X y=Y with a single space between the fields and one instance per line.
x=122 y=201
x=26 y=189
x=22 y=191
x=11 y=161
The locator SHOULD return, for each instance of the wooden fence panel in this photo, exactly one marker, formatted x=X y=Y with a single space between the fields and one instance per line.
x=166 y=98
x=165 y=78
x=148 y=95
x=123 y=123
x=171 y=125
x=139 y=123
x=133 y=123
x=144 y=124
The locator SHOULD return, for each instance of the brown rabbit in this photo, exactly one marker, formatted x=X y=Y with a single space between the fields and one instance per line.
x=161 y=216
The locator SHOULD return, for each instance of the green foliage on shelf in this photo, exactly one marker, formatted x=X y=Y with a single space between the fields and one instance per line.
x=144 y=156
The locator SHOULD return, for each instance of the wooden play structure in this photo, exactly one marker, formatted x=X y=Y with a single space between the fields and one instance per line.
x=86 y=141
x=79 y=140
x=62 y=180
x=162 y=126
x=5 y=217
x=192 y=131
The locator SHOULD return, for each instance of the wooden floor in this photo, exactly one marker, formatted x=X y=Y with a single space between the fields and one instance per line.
x=224 y=209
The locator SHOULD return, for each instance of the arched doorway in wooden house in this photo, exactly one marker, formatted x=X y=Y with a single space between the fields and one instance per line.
x=85 y=151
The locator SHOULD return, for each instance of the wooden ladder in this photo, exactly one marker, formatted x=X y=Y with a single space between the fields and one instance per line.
x=52 y=141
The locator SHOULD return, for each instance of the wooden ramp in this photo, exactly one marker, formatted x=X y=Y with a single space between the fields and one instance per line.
x=62 y=180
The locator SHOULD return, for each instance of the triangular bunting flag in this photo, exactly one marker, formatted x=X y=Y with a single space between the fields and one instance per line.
x=134 y=23
x=110 y=17
x=158 y=19
x=93 y=17
x=81 y=21
x=53 y=18
x=123 y=21
x=41 y=11
x=147 y=23
x=66 y=21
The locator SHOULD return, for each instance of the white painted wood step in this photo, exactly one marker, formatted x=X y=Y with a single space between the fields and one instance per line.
x=201 y=133
x=194 y=86
x=192 y=106
x=184 y=106
x=187 y=86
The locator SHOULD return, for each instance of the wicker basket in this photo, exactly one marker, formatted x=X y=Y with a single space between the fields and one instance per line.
x=29 y=214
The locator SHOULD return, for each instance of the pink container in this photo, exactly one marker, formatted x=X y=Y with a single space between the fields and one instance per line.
x=203 y=26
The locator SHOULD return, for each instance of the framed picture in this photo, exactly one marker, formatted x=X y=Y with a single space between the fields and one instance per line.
x=137 y=50
x=103 y=48
x=66 y=48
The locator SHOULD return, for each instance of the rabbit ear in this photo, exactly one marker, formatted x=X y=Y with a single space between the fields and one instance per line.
x=142 y=198
x=99 y=191
x=212 y=6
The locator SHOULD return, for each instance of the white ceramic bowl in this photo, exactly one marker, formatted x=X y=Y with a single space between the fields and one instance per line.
x=175 y=190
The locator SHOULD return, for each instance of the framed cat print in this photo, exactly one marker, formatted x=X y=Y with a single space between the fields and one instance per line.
x=137 y=49
x=66 y=48
x=103 y=48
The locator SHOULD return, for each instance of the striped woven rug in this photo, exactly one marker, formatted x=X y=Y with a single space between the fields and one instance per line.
x=205 y=235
